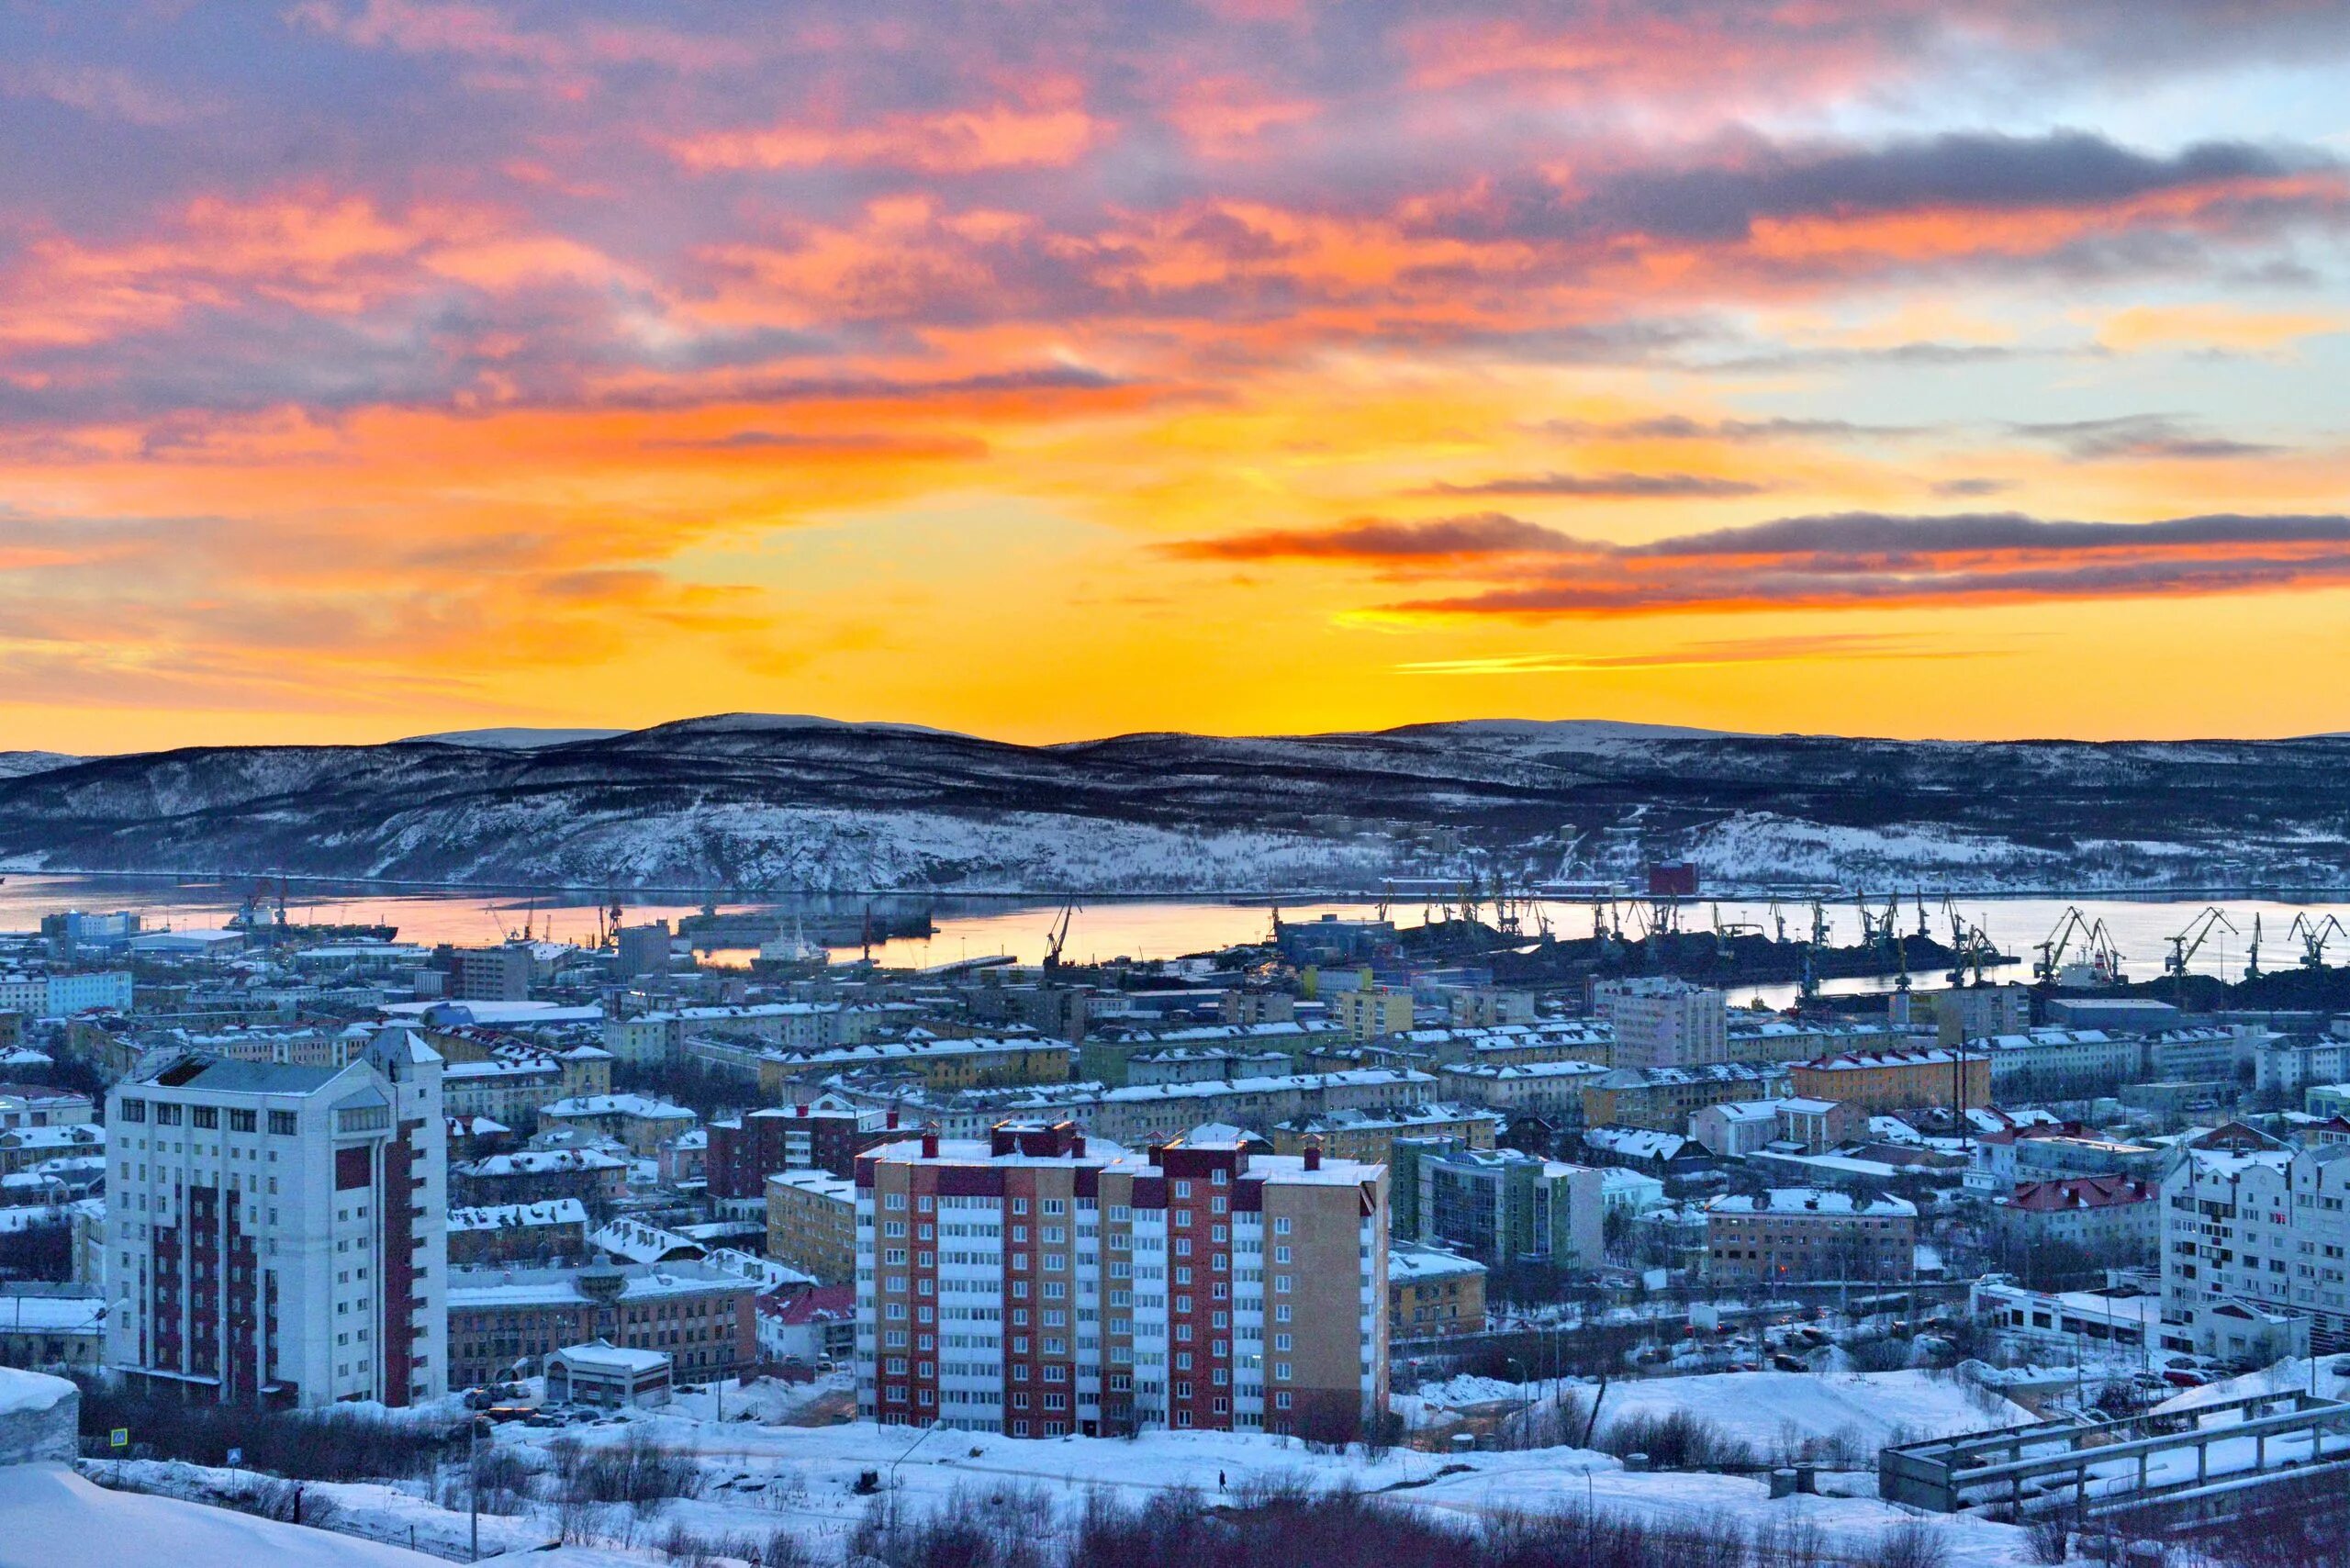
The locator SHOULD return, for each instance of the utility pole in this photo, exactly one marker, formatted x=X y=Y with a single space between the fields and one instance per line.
x=473 y=1484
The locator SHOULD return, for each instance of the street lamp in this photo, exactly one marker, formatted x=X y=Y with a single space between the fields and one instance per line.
x=937 y=1426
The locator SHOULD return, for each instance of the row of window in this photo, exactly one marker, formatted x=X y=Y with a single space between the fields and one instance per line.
x=168 y=1113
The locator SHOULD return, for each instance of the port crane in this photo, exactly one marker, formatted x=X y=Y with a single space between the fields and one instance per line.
x=2105 y=962
x=2252 y=960
x=2313 y=935
x=1056 y=937
x=2188 y=943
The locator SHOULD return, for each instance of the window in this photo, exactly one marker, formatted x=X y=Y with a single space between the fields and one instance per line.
x=167 y=1114
x=204 y=1116
x=240 y=1121
x=281 y=1123
x=133 y=1110
x=1281 y=1224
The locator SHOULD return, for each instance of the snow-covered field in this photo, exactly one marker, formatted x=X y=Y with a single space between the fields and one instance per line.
x=759 y=1478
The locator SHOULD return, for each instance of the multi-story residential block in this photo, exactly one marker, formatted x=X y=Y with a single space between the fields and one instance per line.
x=502 y=1322
x=2059 y=1061
x=1039 y=1283
x=1804 y=1234
x=938 y=1064
x=637 y=1122
x=277 y=1233
x=491 y=974
x=2117 y=1220
x=1432 y=1293
x=825 y=1132
x=1552 y=1090
x=811 y=1224
x=1367 y=1137
x=2238 y=1247
x=1663 y=1022
x=792 y=1026
x=25 y=1149
x=64 y=995
x=1510 y=1044
x=534 y=1175
x=500 y=1233
x=508 y=1078
x=2009 y=1157
x=1502 y=1206
x=1664 y=1098
x=640 y=949
x=1372 y=1013
x=37 y=1105
x=1769 y=1038
x=1975 y=1012
x=1896 y=1079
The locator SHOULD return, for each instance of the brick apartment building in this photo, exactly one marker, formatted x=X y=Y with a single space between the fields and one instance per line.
x=1041 y=1284
x=1804 y=1234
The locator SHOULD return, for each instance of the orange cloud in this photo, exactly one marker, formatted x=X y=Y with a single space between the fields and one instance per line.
x=963 y=141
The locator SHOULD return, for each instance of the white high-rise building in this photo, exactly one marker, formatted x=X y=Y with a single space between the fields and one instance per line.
x=277 y=1233
x=1663 y=1021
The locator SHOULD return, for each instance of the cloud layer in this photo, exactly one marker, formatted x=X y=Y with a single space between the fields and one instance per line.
x=498 y=356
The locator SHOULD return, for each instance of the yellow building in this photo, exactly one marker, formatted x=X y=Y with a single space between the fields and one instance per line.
x=811 y=1224
x=1432 y=1293
x=1372 y=1015
x=1897 y=1081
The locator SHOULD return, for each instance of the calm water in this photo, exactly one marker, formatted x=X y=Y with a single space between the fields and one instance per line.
x=2140 y=928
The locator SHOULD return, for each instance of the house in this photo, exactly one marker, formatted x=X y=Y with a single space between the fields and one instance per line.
x=615 y=1377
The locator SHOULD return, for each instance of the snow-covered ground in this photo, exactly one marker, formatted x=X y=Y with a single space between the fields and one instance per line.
x=759 y=1478
x=1769 y=1411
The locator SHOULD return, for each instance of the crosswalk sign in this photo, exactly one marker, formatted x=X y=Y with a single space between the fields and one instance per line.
x=120 y=1437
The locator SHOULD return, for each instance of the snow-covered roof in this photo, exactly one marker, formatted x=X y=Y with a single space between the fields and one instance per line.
x=1810 y=1200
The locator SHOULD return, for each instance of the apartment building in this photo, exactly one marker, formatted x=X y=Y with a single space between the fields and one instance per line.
x=490 y=974
x=1369 y=1137
x=277 y=1233
x=533 y=1175
x=498 y=1233
x=508 y=1078
x=63 y=996
x=1504 y=1207
x=2250 y=1271
x=1806 y=1234
x=1372 y=1013
x=1550 y=1090
x=1973 y=1011
x=1503 y=1045
x=503 y=1322
x=824 y=1132
x=638 y=1123
x=1663 y=1022
x=1432 y=1293
x=1896 y=1079
x=1041 y=1283
x=2052 y=1061
x=939 y=1064
x=2115 y=1219
x=811 y=1224
x=1663 y=1099
x=38 y=1106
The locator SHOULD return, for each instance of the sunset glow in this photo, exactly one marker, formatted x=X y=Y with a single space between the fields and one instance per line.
x=370 y=368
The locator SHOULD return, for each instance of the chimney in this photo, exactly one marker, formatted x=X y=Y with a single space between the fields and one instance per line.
x=1077 y=1146
x=892 y=1121
x=802 y=1108
x=930 y=1143
x=1313 y=1154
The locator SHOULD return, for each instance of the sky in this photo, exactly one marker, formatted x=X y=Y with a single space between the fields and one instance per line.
x=1970 y=368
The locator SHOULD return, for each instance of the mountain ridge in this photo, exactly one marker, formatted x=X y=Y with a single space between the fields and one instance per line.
x=792 y=802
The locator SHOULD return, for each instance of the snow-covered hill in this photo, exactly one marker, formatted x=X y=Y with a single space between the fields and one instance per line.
x=771 y=803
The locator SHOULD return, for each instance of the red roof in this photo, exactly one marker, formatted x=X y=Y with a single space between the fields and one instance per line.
x=2081 y=1193
x=823 y=1302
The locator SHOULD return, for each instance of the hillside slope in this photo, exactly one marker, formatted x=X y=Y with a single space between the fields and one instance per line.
x=753 y=802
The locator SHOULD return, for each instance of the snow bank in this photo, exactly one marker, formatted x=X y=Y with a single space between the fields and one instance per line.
x=39 y=1416
x=1861 y=1412
x=53 y=1518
